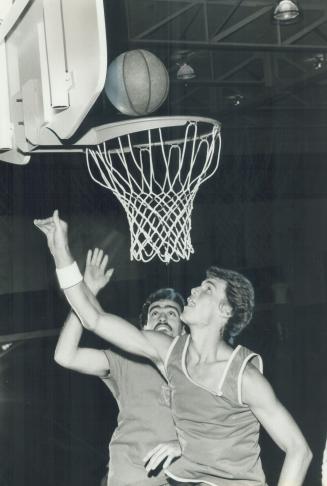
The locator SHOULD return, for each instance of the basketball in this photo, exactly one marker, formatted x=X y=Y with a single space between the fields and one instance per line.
x=137 y=83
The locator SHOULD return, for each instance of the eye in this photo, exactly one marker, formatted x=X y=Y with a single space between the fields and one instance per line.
x=154 y=313
x=207 y=288
x=172 y=314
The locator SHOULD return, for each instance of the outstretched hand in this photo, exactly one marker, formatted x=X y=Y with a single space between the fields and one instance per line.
x=55 y=229
x=96 y=276
x=167 y=451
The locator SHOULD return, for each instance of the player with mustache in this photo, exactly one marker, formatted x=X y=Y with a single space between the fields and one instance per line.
x=144 y=418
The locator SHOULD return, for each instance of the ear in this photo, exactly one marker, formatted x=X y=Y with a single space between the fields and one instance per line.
x=225 y=309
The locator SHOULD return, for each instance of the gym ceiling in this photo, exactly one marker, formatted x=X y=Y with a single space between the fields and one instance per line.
x=249 y=70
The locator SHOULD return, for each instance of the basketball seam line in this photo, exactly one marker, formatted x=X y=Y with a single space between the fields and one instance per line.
x=126 y=91
x=149 y=77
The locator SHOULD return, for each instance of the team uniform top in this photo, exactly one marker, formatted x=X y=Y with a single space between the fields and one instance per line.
x=144 y=419
x=218 y=433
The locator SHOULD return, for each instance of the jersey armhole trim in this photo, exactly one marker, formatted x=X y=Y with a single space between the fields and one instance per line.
x=170 y=349
x=223 y=378
x=107 y=375
x=240 y=375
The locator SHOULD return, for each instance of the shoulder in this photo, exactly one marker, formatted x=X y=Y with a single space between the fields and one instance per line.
x=161 y=342
x=256 y=389
x=244 y=366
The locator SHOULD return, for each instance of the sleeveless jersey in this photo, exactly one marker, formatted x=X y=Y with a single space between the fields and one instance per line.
x=144 y=419
x=217 y=432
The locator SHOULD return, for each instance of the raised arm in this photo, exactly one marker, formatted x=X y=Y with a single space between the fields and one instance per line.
x=68 y=353
x=259 y=395
x=114 y=329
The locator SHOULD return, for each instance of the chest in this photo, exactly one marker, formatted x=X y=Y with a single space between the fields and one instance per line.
x=207 y=375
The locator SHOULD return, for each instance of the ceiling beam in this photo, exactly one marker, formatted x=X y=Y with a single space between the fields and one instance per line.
x=225 y=21
x=165 y=21
x=241 y=24
x=305 y=4
x=305 y=31
x=186 y=95
x=237 y=68
x=281 y=89
x=225 y=46
x=23 y=336
x=216 y=82
x=289 y=61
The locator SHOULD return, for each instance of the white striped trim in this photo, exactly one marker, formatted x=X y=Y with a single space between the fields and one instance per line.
x=240 y=375
x=183 y=480
x=171 y=347
x=186 y=373
x=220 y=392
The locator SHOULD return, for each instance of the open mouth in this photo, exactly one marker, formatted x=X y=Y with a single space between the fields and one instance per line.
x=190 y=302
x=163 y=327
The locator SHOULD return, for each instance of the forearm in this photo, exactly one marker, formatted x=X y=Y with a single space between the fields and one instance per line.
x=108 y=326
x=84 y=304
x=92 y=299
x=68 y=341
x=295 y=466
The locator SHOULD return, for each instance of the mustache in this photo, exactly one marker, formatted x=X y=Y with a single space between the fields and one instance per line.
x=162 y=324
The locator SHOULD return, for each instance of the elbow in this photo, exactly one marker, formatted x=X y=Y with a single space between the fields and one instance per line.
x=61 y=360
x=308 y=454
x=302 y=451
x=91 y=323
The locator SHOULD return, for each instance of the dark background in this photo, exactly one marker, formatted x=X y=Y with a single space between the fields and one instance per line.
x=263 y=214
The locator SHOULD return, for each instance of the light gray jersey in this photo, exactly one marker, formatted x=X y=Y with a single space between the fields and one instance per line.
x=144 y=419
x=217 y=432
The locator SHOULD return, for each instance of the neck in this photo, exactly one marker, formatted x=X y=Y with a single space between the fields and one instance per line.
x=206 y=343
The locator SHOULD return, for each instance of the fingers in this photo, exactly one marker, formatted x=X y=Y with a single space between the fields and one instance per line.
x=156 y=460
x=39 y=222
x=157 y=455
x=45 y=226
x=104 y=262
x=94 y=255
x=98 y=258
x=88 y=257
x=109 y=273
x=150 y=453
x=168 y=461
x=55 y=217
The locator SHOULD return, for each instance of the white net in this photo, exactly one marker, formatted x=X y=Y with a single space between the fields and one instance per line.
x=156 y=182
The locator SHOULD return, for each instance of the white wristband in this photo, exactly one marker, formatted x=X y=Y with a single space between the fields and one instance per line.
x=69 y=276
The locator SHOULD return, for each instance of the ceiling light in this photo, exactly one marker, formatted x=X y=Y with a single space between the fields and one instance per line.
x=185 y=71
x=286 y=11
x=6 y=346
x=317 y=62
x=236 y=99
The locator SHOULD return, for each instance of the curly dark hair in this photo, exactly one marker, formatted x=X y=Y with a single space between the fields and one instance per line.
x=161 y=294
x=240 y=296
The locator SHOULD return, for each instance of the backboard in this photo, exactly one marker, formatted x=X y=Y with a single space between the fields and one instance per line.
x=53 y=64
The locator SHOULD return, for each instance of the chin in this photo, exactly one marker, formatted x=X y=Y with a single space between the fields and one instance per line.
x=186 y=316
x=167 y=332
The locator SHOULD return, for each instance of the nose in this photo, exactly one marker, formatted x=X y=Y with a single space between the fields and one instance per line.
x=162 y=317
x=194 y=291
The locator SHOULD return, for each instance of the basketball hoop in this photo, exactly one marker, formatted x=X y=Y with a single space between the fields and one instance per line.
x=155 y=167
